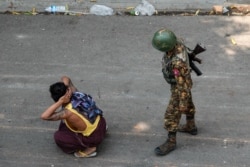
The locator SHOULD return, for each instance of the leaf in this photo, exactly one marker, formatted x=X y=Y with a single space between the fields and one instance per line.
x=233 y=41
x=197 y=12
x=15 y=13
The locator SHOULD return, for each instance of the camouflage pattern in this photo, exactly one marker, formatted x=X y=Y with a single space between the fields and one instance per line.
x=176 y=65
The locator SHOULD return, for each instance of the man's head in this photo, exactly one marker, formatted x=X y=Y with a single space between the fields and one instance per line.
x=164 y=40
x=57 y=90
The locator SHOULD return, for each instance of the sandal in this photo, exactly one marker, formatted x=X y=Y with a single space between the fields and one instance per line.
x=81 y=154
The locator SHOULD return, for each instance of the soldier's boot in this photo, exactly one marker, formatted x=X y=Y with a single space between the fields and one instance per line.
x=168 y=146
x=189 y=127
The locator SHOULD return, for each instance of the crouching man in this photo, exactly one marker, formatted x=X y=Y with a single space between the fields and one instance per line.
x=82 y=126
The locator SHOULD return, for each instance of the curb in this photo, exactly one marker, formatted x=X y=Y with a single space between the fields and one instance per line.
x=77 y=8
x=121 y=5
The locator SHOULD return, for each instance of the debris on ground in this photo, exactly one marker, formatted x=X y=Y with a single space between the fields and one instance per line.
x=54 y=9
x=236 y=9
x=240 y=9
x=197 y=12
x=217 y=9
x=134 y=13
x=33 y=12
x=101 y=10
x=233 y=41
x=64 y=10
x=144 y=9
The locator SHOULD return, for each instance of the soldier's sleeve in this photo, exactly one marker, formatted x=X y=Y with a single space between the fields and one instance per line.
x=181 y=73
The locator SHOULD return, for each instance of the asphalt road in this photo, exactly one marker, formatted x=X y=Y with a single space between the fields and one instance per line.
x=112 y=59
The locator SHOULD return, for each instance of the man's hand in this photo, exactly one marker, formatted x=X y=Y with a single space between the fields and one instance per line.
x=51 y=114
x=67 y=81
x=66 y=98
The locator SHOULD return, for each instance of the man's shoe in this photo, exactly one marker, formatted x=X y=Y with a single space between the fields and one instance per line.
x=187 y=129
x=166 y=147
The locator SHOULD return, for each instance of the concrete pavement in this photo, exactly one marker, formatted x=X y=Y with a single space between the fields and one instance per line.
x=112 y=59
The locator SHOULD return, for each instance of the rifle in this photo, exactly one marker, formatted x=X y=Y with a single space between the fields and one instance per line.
x=192 y=57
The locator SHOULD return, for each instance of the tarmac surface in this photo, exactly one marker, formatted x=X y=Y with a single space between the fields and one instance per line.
x=112 y=59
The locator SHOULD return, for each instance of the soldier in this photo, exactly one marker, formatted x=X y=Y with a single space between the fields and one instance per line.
x=176 y=71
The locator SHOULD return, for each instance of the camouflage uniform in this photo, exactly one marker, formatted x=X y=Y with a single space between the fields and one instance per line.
x=176 y=71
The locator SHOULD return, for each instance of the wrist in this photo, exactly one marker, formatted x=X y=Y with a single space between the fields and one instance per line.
x=58 y=103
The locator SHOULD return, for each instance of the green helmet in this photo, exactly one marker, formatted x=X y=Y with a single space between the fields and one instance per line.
x=164 y=40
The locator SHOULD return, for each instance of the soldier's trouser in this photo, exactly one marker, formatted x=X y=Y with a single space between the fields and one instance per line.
x=173 y=114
